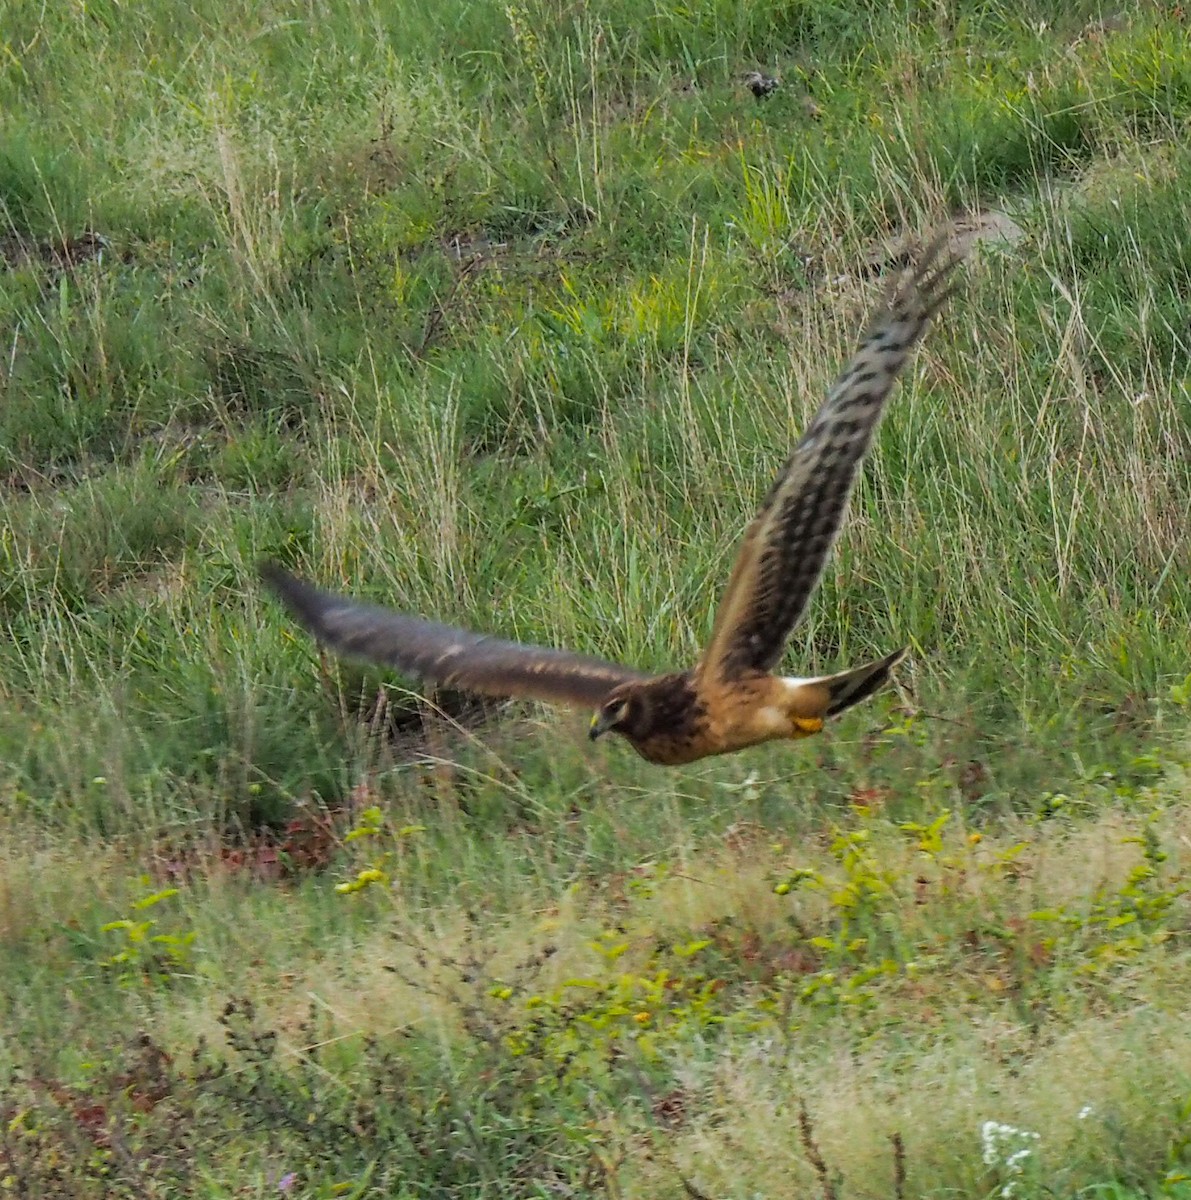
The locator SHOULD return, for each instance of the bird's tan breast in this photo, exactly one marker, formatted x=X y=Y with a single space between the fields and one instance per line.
x=721 y=718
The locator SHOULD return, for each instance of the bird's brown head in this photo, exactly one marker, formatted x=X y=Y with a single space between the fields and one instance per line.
x=621 y=712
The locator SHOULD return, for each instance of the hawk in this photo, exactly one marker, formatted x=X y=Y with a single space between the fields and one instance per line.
x=730 y=699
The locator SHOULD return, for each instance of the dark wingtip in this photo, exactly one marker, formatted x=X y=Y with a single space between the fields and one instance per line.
x=301 y=598
x=273 y=573
x=278 y=580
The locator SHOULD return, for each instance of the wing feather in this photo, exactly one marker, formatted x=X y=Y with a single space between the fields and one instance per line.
x=784 y=548
x=443 y=654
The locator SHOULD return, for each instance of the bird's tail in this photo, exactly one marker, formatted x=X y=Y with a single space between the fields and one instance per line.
x=850 y=687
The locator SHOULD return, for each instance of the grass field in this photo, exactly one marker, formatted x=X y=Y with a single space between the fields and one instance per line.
x=506 y=314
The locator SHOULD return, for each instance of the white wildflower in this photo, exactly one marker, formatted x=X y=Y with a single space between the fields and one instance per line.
x=1007 y=1149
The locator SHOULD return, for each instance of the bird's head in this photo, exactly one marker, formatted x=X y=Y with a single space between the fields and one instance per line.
x=619 y=713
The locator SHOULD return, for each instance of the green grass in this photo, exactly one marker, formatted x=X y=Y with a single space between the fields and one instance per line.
x=507 y=314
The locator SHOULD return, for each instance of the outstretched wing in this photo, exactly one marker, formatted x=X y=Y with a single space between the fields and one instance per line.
x=782 y=556
x=455 y=658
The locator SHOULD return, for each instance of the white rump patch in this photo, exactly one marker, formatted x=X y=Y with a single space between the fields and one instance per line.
x=794 y=683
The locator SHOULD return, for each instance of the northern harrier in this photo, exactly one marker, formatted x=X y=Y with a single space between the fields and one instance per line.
x=730 y=699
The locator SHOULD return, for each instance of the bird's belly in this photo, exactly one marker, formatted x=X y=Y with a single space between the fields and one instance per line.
x=766 y=724
x=776 y=708
x=756 y=709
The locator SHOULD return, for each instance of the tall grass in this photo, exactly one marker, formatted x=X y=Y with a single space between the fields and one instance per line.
x=507 y=314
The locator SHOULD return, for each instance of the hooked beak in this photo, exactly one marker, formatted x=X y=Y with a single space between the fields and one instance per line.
x=600 y=724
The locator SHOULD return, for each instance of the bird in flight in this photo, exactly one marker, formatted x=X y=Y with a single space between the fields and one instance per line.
x=730 y=699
